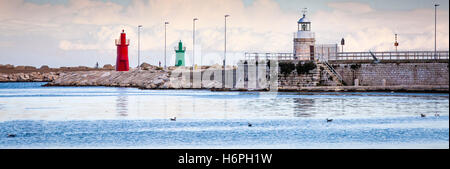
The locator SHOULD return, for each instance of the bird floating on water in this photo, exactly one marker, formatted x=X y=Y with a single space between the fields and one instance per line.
x=11 y=135
x=250 y=125
x=423 y=115
x=173 y=119
x=329 y=120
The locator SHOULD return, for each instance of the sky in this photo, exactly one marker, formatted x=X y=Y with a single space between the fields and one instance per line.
x=82 y=32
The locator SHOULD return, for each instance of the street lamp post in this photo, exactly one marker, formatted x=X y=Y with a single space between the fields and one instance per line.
x=435 y=23
x=225 y=53
x=139 y=47
x=193 y=43
x=165 y=44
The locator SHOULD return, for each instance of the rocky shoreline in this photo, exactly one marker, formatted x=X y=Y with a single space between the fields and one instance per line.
x=29 y=77
x=11 y=73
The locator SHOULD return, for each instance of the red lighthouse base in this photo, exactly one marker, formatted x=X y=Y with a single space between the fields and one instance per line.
x=122 y=63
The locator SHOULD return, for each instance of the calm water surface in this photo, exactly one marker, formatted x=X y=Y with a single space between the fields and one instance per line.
x=101 y=117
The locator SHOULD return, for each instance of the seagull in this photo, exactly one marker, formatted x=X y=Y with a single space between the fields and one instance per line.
x=173 y=119
x=329 y=120
x=423 y=115
x=11 y=135
x=250 y=125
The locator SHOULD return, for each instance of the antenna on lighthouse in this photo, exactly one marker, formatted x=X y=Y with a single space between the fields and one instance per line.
x=304 y=11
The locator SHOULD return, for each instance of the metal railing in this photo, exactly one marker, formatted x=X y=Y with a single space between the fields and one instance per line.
x=331 y=55
x=325 y=52
x=401 y=55
x=269 y=56
x=332 y=70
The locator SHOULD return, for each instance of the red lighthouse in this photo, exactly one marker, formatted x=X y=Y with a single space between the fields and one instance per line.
x=122 y=63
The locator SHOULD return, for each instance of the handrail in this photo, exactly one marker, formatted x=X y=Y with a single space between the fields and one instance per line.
x=389 y=55
x=401 y=55
x=334 y=72
x=269 y=56
x=321 y=60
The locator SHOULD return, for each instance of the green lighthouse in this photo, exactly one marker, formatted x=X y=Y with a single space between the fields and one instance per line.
x=180 y=54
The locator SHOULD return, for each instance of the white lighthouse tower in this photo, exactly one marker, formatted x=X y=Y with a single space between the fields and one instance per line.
x=304 y=39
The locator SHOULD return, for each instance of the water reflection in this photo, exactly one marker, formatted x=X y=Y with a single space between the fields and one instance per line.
x=303 y=107
x=122 y=102
x=119 y=103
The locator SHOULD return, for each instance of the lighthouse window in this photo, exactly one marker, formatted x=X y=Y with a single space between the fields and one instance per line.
x=305 y=27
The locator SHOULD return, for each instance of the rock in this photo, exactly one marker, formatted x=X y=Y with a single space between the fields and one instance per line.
x=146 y=66
x=30 y=68
x=158 y=82
x=108 y=67
x=83 y=67
x=165 y=85
x=44 y=67
x=3 y=77
x=23 y=77
x=150 y=86
x=8 y=66
x=105 y=74
x=20 y=67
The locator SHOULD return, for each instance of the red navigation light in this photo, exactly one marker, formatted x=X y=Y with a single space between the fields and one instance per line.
x=122 y=63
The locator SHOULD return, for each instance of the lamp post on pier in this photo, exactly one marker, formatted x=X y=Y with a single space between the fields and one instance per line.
x=165 y=44
x=139 y=47
x=435 y=23
x=225 y=53
x=193 y=43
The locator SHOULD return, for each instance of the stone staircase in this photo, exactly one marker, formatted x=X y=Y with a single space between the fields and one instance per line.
x=330 y=70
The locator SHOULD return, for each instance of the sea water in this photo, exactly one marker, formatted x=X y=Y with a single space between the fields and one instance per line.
x=108 y=117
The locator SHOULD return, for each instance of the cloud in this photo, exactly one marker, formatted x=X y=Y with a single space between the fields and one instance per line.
x=262 y=26
x=368 y=29
x=67 y=45
x=351 y=7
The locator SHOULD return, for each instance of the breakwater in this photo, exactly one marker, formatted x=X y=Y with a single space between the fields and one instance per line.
x=357 y=77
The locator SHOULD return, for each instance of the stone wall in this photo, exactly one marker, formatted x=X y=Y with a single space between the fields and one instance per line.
x=302 y=80
x=370 y=74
